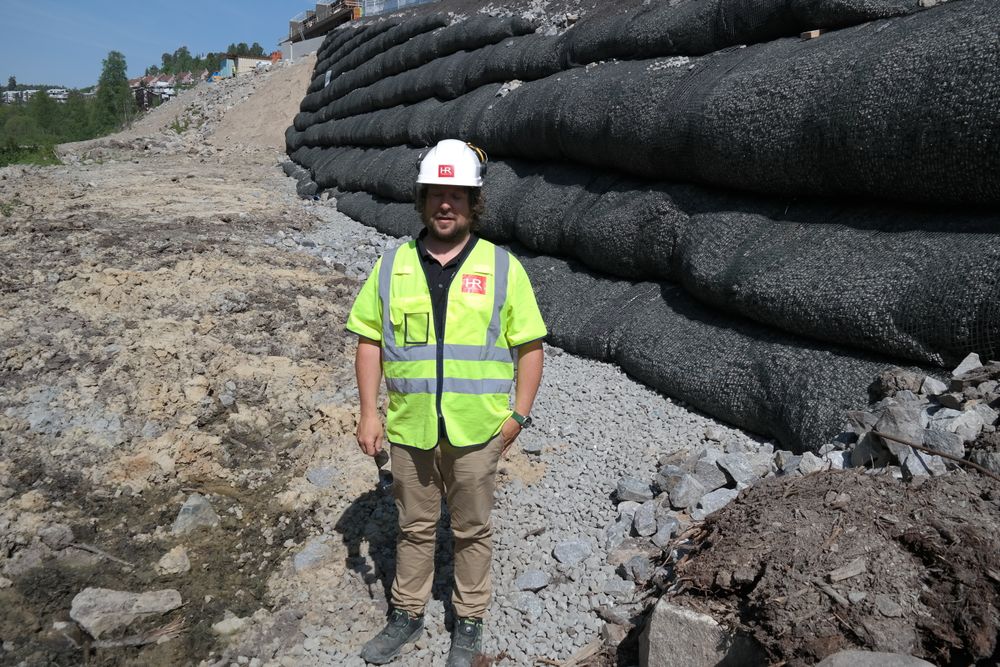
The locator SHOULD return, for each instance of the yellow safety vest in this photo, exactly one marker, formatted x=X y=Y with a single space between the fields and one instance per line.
x=467 y=377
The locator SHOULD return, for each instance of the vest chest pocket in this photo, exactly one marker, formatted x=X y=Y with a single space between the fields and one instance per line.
x=411 y=319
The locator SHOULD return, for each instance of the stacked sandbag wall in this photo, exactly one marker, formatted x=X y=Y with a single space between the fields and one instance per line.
x=756 y=230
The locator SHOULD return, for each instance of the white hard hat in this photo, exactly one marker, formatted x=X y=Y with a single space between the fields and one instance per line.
x=453 y=162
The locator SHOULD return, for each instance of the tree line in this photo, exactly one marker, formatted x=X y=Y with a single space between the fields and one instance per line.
x=29 y=131
x=182 y=60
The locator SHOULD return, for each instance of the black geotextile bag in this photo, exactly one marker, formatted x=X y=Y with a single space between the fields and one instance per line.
x=917 y=285
x=698 y=27
x=755 y=377
x=350 y=54
x=421 y=49
x=904 y=109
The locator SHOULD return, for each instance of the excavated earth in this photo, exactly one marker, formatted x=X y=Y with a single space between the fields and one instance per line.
x=164 y=335
x=833 y=561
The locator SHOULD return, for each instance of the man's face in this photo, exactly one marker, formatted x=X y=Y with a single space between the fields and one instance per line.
x=447 y=212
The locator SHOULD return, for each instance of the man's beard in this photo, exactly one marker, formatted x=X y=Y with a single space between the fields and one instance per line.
x=455 y=233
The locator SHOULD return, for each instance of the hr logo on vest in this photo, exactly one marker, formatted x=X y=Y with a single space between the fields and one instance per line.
x=446 y=171
x=473 y=284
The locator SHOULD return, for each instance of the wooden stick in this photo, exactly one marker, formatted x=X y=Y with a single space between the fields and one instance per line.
x=99 y=552
x=165 y=633
x=932 y=452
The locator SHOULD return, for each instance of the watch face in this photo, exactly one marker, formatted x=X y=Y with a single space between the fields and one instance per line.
x=526 y=423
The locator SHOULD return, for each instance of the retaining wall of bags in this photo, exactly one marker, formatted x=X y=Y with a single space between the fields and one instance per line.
x=689 y=187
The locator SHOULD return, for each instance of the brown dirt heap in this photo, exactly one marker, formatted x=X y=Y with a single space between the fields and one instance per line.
x=812 y=565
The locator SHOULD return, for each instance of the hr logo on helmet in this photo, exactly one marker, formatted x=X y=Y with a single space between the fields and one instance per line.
x=473 y=284
x=446 y=171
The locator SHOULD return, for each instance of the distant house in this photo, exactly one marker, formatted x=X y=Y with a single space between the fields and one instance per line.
x=14 y=96
x=249 y=64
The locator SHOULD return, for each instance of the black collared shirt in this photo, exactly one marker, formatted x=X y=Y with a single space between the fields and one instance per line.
x=439 y=279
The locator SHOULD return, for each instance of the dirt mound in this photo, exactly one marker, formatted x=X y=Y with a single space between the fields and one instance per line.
x=263 y=118
x=812 y=565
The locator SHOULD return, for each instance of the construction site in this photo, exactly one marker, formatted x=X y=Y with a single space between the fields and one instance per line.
x=764 y=239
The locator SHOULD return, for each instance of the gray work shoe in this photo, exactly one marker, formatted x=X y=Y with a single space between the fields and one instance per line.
x=399 y=631
x=466 y=642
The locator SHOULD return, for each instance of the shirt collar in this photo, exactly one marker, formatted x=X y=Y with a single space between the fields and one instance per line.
x=459 y=258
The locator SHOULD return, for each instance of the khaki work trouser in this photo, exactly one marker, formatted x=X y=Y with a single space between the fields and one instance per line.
x=466 y=477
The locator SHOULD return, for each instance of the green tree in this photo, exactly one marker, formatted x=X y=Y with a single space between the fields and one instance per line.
x=45 y=111
x=257 y=50
x=115 y=105
x=22 y=130
x=152 y=70
x=242 y=49
x=12 y=83
x=77 y=115
x=181 y=60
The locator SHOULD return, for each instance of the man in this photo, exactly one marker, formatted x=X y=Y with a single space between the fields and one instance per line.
x=441 y=317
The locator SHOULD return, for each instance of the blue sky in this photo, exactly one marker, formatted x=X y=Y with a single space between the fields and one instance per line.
x=63 y=41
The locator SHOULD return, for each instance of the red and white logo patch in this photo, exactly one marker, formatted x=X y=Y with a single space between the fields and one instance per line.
x=472 y=284
x=446 y=171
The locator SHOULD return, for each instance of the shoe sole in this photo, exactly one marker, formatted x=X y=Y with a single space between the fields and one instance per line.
x=392 y=656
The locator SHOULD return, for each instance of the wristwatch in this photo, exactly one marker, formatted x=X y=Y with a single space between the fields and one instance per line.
x=522 y=420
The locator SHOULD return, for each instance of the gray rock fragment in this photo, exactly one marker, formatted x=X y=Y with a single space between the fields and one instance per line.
x=901 y=422
x=810 y=463
x=644 y=522
x=313 y=555
x=532 y=580
x=322 y=477
x=56 y=536
x=666 y=528
x=618 y=587
x=932 y=386
x=528 y=604
x=888 y=607
x=669 y=476
x=945 y=442
x=967 y=425
x=98 y=610
x=687 y=492
x=630 y=488
x=675 y=635
x=638 y=568
x=971 y=362
x=712 y=502
x=572 y=552
x=710 y=475
x=988 y=414
x=738 y=467
x=195 y=513
x=989 y=460
x=786 y=461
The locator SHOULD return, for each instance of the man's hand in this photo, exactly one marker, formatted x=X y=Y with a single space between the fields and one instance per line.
x=508 y=433
x=370 y=435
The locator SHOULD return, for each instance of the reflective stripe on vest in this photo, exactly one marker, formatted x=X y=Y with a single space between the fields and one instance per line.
x=451 y=385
